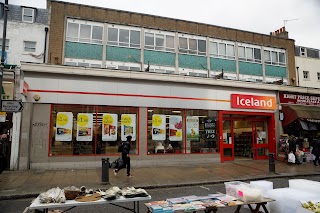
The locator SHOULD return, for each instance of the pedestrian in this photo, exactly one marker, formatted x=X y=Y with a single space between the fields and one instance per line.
x=316 y=151
x=293 y=148
x=125 y=157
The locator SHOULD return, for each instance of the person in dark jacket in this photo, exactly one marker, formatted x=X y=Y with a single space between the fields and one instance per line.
x=316 y=151
x=293 y=148
x=125 y=157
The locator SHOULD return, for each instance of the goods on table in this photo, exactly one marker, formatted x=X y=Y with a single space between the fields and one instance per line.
x=248 y=194
x=231 y=187
x=192 y=203
x=71 y=192
x=54 y=195
x=312 y=206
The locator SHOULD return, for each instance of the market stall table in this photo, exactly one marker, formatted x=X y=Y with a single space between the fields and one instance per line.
x=36 y=205
x=261 y=203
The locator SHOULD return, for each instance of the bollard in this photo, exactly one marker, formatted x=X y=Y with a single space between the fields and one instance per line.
x=272 y=167
x=105 y=171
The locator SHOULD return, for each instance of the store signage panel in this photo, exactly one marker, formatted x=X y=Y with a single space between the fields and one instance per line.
x=193 y=128
x=128 y=126
x=84 y=127
x=110 y=127
x=64 y=123
x=299 y=98
x=158 y=127
x=175 y=128
x=210 y=127
x=253 y=102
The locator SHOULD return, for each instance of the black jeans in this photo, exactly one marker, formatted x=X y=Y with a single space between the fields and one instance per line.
x=126 y=163
x=317 y=159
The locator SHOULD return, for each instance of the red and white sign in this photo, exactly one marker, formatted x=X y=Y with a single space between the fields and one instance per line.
x=253 y=102
x=299 y=98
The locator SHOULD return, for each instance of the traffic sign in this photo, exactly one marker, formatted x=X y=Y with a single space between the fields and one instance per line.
x=11 y=106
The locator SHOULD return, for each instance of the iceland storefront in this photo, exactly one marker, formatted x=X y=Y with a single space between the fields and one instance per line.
x=75 y=116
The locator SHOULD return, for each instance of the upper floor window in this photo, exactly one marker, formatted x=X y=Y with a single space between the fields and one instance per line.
x=159 y=41
x=7 y=44
x=318 y=76
x=249 y=53
x=28 y=14
x=29 y=46
x=83 y=31
x=123 y=36
x=306 y=75
x=274 y=57
x=303 y=52
x=222 y=49
x=192 y=45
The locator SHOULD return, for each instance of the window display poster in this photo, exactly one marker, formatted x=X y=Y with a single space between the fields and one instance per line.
x=158 y=127
x=64 y=122
x=175 y=128
x=210 y=127
x=128 y=126
x=109 y=127
x=193 y=128
x=84 y=126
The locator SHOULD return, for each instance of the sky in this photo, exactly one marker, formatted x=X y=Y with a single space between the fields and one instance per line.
x=261 y=16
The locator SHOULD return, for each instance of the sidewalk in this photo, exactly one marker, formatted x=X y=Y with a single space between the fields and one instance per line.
x=19 y=184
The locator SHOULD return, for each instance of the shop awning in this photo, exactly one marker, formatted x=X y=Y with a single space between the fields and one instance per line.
x=294 y=112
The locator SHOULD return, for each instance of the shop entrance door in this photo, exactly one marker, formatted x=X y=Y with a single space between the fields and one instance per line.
x=246 y=136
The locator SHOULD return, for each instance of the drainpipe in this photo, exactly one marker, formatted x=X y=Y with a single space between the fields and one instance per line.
x=46 y=29
x=298 y=76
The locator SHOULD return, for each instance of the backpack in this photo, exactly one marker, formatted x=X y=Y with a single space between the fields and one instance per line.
x=120 y=148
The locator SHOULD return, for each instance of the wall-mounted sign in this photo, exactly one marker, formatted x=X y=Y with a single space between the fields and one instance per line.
x=128 y=126
x=3 y=116
x=158 y=127
x=109 y=127
x=64 y=122
x=299 y=98
x=175 y=128
x=84 y=127
x=253 y=102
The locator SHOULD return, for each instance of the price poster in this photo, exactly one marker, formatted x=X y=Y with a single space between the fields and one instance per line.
x=128 y=126
x=84 y=127
x=158 y=127
x=64 y=123
x=175 y=128
x=210 y=127
x=109 y=127
x=193 y=128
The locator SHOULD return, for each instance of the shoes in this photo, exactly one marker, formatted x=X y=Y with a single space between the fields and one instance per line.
x=115 y=172
x=129 y=176
x=315 y=164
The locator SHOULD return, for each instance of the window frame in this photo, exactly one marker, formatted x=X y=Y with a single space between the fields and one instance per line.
x=306 y=75
x=117 y=43
x=318 y=76
x=156 y=47
x=278 y=52
x=24 y=15
x=218 y=54
x=7 y=44
x=24 y=46
x=78 y=38
x=252 y=49
x=190 y=51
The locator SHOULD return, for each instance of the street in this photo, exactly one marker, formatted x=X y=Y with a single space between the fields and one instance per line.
x=13 y=206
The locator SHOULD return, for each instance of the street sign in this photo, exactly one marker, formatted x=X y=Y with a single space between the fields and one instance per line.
x=11 y=106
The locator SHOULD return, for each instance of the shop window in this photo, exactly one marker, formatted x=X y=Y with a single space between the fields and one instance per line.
x=91 y=130
x=84 y=31
x=165 y=131
x=201 y=131
x=123 y=36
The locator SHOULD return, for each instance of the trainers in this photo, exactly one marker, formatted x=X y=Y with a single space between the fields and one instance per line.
x=115 y=172
x=129 y=176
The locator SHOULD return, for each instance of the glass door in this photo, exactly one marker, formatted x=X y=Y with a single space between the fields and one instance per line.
x=227 y=140
x=260 y=140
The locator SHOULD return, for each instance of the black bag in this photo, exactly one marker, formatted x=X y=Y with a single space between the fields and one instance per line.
x=120 y=148
x=114 y=165
x=120 y=163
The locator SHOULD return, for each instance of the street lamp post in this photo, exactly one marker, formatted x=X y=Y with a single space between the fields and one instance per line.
x=5 y=17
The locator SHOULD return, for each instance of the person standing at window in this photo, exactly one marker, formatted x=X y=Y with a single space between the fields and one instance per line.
x=125 y=157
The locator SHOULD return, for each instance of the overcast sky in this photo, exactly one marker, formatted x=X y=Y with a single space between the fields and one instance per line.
x=262 y=16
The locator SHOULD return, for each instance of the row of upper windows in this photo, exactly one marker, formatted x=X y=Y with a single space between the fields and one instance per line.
x=28 y=46
x=306 y=75
x=90 y=32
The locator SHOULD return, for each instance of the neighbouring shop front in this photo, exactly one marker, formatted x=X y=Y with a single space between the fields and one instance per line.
x=77 y=121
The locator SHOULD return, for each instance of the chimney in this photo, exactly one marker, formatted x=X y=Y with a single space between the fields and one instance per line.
x=281 y=32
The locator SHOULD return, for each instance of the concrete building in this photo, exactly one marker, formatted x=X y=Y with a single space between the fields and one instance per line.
x=209 y=92
x=307 y=65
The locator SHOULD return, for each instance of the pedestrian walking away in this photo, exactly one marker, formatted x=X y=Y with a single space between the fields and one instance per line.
x=316 y=151
x=125 y=149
